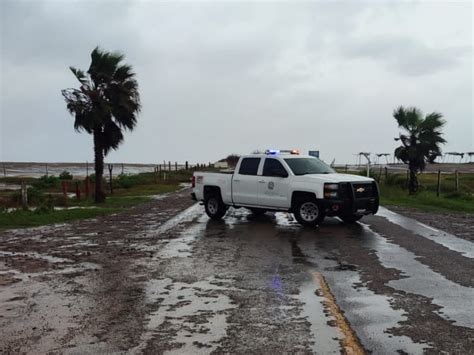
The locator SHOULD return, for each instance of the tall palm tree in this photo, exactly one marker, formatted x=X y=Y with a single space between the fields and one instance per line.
x=106 y=103
x=420 y=140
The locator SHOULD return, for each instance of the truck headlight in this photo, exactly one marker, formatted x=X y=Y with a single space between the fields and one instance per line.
x=330 y=190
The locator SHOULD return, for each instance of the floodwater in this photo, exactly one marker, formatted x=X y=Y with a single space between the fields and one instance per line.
x=158 y=281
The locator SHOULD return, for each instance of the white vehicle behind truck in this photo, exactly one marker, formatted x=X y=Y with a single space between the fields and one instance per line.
x=287 y=181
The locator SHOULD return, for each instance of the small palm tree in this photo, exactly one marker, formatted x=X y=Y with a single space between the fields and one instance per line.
x=106 y=103
x=420 y=141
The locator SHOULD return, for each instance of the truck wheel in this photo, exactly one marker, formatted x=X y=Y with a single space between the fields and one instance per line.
x=214 y=206
x=351 y=218
x=257 y=211
x=308 y=212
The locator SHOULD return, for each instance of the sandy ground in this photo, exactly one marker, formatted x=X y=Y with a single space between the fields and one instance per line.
x=163 y=277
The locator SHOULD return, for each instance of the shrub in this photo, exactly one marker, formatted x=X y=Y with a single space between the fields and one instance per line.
x=46 y=182
x=125 y=181
x=65 y=175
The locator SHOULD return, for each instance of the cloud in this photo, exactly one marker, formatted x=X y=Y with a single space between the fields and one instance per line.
x=222 y=77
x=407 y=55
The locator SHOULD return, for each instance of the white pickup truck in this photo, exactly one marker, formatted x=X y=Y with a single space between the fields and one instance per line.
x=275 y=181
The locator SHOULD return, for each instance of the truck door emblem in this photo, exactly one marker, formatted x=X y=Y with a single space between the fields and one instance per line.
x=271 y=185
x=360 y=189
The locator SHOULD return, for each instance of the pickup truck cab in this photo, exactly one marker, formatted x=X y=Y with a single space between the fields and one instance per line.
x=275 y=181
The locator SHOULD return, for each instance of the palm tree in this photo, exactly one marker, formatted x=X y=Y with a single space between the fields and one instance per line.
x=106 y=103
x=420 y=141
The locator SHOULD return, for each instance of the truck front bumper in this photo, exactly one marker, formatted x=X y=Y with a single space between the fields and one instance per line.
x=354 y=199
x=351 y=207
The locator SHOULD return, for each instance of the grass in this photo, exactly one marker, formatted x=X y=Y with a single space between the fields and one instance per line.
x=22 y=219
x=394 y=192
x=426 y=200
x=139 y=190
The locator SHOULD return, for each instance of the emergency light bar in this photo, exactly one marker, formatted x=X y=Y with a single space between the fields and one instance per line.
x=277 y=151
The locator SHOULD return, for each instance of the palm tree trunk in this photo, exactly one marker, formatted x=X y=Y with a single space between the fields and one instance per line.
x=413 y=183
x=99 y=167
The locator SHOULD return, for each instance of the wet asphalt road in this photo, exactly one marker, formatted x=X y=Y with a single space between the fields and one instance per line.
x=247 y=284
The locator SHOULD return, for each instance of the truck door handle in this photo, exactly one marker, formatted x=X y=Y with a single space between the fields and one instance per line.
x=261 y=181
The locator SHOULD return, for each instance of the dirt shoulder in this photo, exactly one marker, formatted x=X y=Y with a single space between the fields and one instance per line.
x=459 y=224
x=78 y=283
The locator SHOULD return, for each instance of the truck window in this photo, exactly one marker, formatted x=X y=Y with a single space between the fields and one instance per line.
x=249 y=166
x=273 y=167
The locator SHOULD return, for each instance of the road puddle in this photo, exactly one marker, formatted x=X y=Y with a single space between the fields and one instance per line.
x=462 y=246
x=456 y=300
x=326 y=336
x=192 y=315
x=181 y=247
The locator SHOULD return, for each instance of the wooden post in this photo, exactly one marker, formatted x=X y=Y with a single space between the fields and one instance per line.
x=87 y=169
x=169 y=165
x=386 y=174
x=4 y=170
x=186 y=165
x=46 y=169
x=111 y=167
x=457 y=180
x=176 y=166
x=78 y=191
x=24 y=195
x=122 y=168
x=64 y=185
x=438 y=189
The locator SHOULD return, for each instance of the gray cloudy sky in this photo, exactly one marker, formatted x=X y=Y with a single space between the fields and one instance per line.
x=223 y=77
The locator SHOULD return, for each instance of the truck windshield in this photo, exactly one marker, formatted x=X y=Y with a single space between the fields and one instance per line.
x=303 y=166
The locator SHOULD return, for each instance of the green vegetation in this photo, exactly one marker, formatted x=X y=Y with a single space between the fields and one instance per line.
x=45 y=195
x=20 y=218
x=106 y=103
x=393 y=192
x=420 y=140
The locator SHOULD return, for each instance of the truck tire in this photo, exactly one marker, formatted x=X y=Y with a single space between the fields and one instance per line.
x=214 y=206
x=350 y=218
x=257 y=211
x=308 y=212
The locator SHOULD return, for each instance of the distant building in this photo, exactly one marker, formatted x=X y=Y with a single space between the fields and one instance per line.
x=221 y=164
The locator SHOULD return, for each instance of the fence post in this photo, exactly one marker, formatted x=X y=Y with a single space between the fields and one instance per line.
x=4 y=170
x=176 y=166
x=457 y=180
x=438 y=189
x=64 y=185
x=24 y=195
x=78 y=191
x=87 y=169
x=186 y=165
x=87 y=187
x=169 y=165
x=111 y=167
x=386 y=174
x=122 y=168
x=46 y=169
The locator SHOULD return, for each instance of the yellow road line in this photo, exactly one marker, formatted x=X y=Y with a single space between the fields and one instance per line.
x=350 y=343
